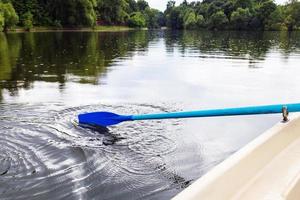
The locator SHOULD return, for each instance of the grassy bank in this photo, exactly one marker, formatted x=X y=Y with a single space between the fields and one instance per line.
x=96 y=29
x=113 y=28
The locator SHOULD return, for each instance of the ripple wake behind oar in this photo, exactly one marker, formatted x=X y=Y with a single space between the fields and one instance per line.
x=43 y=152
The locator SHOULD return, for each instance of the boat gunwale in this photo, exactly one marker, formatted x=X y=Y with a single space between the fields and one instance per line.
x=239 y=163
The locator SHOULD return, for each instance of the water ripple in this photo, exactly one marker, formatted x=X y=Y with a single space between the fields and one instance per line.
x=42 y=151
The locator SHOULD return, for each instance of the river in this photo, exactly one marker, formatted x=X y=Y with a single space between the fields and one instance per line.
x=47 y=79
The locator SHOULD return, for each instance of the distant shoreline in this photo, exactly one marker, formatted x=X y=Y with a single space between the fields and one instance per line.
x=110 y=28
x=86 y=29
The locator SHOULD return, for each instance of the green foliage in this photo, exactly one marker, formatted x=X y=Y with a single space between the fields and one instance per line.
x=211 y=14
x=190 y=20
x=170 y=5
x=292 y=15
x=1 y=22
x=263 y=12
x=9 y=14
x=244 y=4
x=76 y=13
x=154 y=18
x=200 y=21
x=137 y=19
x=202 y=9
x=234 y=14
x=82 y=13
x=218 y=21
x=275 y=20
x=27 y=21
x=174 y=18
x=142 y=5
x=240 y=18
x=131 y=6
x=87 y=12
x=112 y=11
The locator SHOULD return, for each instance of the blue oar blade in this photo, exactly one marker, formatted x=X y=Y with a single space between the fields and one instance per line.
x=102 y=118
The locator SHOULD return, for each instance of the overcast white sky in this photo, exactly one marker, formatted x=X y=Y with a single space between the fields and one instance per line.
x=161 y=4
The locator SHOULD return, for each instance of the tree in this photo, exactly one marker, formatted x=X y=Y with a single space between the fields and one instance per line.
x=213 y=14
x=170 y=7
x=87 y=12
x=175 y=19
x=184 y=3
x=218 y=20
x=9 y=14
x=131 y=6
x=154 y=18
x=228 y=8
x=200 y=21
x=212 y=9
x=32 y=6
x=72 y=13
x=240 y=18
x=275 y=20
x=112 y=11
x=202 y=9
x=137 y=19
x=244 y=4
x=190 y=20
x=170 y=4
x=142 y=5
x=264 y=10
x=161 y=20
x=27 y=21
x=292 y=15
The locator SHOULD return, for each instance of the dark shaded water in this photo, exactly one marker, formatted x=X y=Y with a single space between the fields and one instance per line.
x=46 y=79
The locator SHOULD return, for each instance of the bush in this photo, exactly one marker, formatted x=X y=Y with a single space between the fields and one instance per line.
x=137 y=19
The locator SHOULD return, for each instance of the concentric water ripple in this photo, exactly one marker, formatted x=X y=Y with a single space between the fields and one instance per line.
x=46 y=152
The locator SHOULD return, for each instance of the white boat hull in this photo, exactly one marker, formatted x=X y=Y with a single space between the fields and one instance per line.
x=268 y=168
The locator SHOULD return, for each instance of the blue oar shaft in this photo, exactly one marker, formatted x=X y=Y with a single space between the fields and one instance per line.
x=253 y=110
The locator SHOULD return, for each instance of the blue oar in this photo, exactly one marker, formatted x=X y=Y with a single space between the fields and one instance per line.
x=108 y=119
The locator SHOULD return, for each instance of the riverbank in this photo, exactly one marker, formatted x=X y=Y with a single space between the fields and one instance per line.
x=87 y=29
x=96 y=29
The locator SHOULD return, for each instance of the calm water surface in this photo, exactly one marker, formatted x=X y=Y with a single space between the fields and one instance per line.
x=46 y=79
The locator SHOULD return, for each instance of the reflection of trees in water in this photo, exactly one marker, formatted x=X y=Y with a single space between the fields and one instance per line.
x=85 y=56
x=60 y=57
x=247 y=45
x=9 y=50
x=289 y=42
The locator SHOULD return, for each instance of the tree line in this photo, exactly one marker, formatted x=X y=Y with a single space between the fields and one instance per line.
x=234 y=15
x=207 y=14
x=78 y=13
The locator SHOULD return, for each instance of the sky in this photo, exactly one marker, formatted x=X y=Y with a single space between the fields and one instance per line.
x=161 y=4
